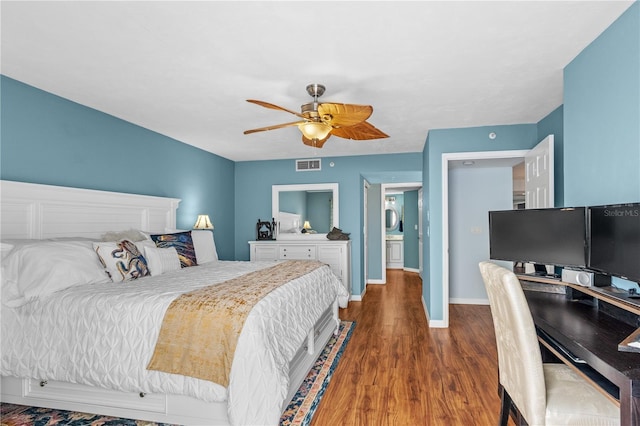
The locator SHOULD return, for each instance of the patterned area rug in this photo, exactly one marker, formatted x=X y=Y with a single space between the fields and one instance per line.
x=299 y=412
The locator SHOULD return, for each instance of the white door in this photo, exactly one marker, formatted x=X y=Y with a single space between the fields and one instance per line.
x=538 y=184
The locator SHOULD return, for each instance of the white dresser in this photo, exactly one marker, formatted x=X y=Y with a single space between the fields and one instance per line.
x=395 y=254
x=337 y=254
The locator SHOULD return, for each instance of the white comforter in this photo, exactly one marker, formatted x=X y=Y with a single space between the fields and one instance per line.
x=104 y=335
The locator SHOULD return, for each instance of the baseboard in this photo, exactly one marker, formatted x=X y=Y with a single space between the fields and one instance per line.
x=358 y=297
x=376 y=282
x=417 y=271
x=432 y=323
x=465 y=301
x=438 y=324
x=426 y=310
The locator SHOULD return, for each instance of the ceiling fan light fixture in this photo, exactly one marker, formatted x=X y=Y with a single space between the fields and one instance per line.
x=314 y=129
x=318 y=121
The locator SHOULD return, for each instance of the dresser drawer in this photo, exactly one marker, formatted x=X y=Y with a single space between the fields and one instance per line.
x=297 y=252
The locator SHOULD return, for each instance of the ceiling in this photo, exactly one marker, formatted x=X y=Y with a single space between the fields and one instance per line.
x=185 y=69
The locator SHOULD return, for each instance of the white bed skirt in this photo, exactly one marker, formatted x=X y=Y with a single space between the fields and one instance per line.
x=163 y=408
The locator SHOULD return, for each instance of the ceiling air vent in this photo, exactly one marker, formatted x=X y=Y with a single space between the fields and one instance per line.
x=307 y=165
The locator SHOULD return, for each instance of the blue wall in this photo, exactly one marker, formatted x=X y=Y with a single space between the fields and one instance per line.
x=475 y=139
x=319 y=211
x=50 y=140
x=598 y=126
x=473 y=191
x=253 y=179
x=374 y=223
x=293 y=202
x=602 y=117
x=411 y=260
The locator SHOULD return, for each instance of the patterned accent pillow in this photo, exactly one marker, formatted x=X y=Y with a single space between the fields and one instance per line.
x=183 y=243
x=122 y=260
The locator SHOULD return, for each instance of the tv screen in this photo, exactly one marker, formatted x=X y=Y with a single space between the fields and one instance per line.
x=555 y=236
x=615 y=240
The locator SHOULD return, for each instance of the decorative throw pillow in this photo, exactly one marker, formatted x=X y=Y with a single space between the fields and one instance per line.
x=161 y=260
x=183 y=243
x=122 y=260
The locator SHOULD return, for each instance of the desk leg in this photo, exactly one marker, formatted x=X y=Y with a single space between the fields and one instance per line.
x=505 y=406
x=635 y=407
x=630 y=404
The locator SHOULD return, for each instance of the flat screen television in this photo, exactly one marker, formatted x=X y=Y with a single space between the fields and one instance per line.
x=614 y=234
x=554 y=236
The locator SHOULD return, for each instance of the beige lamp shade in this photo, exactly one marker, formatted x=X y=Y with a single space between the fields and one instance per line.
x=314 y=129
x=306 y=225
x=203 y=222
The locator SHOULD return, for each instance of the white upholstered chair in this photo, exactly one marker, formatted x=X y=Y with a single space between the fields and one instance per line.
x=540 y=394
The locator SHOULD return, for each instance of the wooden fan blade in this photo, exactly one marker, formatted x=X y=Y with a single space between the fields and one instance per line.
x=315 y=144
x=361 y=131
x=342 y=115
x=276 y=107
x=276 y=126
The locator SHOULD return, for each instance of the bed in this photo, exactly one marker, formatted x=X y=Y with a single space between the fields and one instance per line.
x=86 y=347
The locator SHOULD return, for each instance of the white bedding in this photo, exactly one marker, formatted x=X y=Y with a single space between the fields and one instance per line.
x=104 y=335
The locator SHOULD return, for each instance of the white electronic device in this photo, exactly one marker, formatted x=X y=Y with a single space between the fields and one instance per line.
x=582 y=278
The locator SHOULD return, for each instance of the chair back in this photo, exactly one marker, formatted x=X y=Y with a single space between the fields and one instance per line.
x=519 y=360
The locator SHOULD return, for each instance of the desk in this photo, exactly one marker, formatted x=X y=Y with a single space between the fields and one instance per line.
x=593 y=336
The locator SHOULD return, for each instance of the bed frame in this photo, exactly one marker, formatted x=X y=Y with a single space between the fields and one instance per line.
x=44 y=211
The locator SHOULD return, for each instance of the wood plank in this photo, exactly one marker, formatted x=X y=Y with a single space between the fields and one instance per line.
x=398 y=371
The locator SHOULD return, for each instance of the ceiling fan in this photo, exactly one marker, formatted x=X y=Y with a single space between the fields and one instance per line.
x=321 y=120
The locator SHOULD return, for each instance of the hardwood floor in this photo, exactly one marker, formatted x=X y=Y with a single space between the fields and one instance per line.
x=398 y=371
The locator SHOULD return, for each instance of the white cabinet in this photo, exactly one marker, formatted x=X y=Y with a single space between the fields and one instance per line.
x=395 y=254
x=264 y=252
x=337 y=254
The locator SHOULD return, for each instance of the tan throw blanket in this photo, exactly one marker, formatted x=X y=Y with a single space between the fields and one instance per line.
x=200 y=329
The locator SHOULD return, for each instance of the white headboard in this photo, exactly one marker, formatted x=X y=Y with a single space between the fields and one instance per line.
x=288 y=221
x=30 y=210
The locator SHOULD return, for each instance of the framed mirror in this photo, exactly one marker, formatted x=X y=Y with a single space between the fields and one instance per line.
x=391 y=218
x=305 y=211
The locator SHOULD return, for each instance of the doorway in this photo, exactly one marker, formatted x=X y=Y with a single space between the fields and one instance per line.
x=390 y=190
x=471 y=159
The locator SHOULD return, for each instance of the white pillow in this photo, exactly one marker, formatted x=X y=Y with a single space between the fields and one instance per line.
x=122 y=260
x=5 y=249
x=6 y=245
x=204 y=246
x=161 y=260
x=39 y=269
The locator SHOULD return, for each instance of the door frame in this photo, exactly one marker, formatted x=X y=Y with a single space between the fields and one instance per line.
x=383 y=190
x=446 y=158
x=365 y=231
